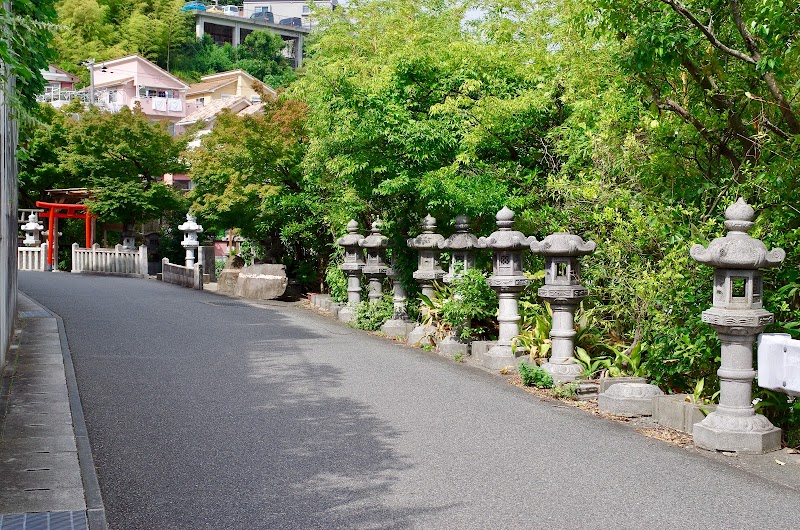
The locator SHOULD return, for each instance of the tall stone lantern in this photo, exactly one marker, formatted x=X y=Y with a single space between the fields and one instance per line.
x=428 y=270
x=353 y=263
x=129 y=237
x=398 y=326
x=462 y=246
x=375 y=268
x=738 y=317
x=562 y=289
x=509 y=281
x=33 y=230
x=190 y=241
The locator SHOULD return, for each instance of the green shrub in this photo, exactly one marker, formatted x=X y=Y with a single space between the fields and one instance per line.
x=372 y=316
x=533 y=375
x=566 y=390
x=337 y=282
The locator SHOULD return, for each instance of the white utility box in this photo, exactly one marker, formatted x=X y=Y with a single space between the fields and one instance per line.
x=779 y=363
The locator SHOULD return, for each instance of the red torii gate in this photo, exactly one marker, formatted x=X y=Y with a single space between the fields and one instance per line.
x=52 y=212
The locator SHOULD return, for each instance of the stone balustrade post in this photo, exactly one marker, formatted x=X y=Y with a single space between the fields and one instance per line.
x=428 y=271
x=563 y=291
x=508 y=281
x=352 y=266
x=737 y=315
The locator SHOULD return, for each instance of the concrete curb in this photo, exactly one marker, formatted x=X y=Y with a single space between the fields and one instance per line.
x=95 y=509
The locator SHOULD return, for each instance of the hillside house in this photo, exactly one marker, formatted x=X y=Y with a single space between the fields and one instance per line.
x=227 y=85
x=132 y=80
x=60 y=88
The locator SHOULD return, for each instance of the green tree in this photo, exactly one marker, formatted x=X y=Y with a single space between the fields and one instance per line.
x=248 y=175
x=122 y=157
x=43 y=140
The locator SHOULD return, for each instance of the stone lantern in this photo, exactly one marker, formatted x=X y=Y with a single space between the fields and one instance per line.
x=129 y=237
x=562 y=289
x=190 y=241
x=509 y=281
x=428 y=270
x=462 y=246
x=353 y=263
x=33 y=229
x=398 y=325
x=375 y=268
x=738 y=317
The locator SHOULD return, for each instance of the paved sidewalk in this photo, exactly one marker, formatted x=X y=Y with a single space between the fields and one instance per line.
x=45 y=460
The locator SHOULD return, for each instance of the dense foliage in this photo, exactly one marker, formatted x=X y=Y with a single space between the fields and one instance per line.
x=25 y=47
x=121 y=157
x=633 y=123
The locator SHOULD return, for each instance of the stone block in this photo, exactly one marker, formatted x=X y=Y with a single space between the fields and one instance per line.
x=479 y=348
x=266 y=281
x=420 y=336
x=629 y=399
x=451 y=347
x=398 y=329
x=678 y=412
x=226 y=283
x=606 y=382
x=587 y=391
x=346 y=314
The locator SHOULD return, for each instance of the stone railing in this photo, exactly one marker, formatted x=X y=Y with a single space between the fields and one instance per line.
x=32 y=258
x=180 y=275
x=116 y=261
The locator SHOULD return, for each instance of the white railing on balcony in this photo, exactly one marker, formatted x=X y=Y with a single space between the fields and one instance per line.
x=32 y=258
x=52 y=95
x=116 y=261
x=180 y=275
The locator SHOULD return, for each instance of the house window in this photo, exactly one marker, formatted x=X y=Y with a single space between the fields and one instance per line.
x=255 y=99
x=112 y=96
x=151 y=92
x=259 y=9
x=201 y=101
x=306 y=9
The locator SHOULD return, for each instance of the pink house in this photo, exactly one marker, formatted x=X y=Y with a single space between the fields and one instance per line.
x=126 y=81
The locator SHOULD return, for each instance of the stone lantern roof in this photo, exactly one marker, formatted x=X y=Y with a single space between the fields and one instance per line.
x=563 y=244
x=461 y=239
x=352 y=238
x=190 y=225
x=737 y=250
x=505 y=238
x=428 y=239
x=375 y=239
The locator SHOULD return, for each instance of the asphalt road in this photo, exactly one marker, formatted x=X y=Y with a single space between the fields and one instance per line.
x=204 y=412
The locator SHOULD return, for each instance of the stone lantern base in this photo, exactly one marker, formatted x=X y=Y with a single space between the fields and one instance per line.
x=752 y=434
x=498 y=357
x=566 y=372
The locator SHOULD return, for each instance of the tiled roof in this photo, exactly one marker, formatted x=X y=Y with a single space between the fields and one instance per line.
x=213 y=108
x=210 y=86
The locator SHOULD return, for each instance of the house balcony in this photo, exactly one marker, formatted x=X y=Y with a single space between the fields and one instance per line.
x=159 y=108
